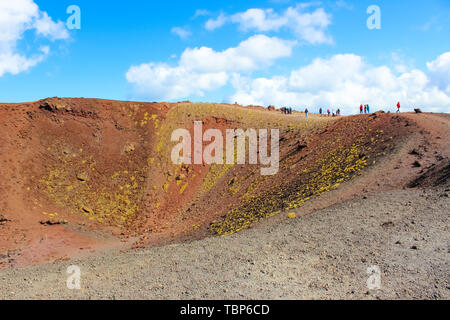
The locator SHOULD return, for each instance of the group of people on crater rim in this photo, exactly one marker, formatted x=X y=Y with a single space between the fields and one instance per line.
x=331 y=112
x=286 y=110
x=366 y=108
x=363 y=109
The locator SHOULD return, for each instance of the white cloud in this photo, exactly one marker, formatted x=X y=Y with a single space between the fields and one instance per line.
x=309 y=26
x=162 y=82
x=17 y=17
x=254 y=53
x=213 y=24
x=440 y=72
x=346 y=81
x=204 y=69
x=15 y=63
x=201 y=12
x=343 y=4
x=181 y=32
x=46 y=27
x=259 y=19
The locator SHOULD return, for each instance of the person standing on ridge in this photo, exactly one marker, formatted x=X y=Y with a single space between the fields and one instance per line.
x=398 y=107
x=368 y=109
x=320 y=111
x=361 y=109
x=306 y=113
x=328 y=111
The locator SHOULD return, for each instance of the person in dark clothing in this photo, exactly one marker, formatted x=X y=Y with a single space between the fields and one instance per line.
x=320 y=111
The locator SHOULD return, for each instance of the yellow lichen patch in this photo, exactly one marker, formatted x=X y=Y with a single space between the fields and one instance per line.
x=234 y=186
x=105 y=196
x=115 y=175
x=183 y=188
x=338 y=165
x=216 y=172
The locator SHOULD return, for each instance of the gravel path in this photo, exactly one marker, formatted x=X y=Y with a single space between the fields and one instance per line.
x=324 y=255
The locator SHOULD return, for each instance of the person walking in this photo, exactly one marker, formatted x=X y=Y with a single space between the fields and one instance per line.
x=328 y=111
x=361 y=109
x=398 y=107
x=320 y=111
x=368 y=109
x=306 y=113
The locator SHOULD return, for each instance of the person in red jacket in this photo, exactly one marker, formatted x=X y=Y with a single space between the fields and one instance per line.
x=361 y=109
x=398 y=106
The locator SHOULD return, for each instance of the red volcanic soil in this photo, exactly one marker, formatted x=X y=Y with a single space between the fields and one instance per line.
x=81 y=175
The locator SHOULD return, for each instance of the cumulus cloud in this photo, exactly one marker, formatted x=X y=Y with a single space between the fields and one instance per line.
x=17 y=17
x=46 y=27
x=440 y=72
x=308 y=25
x=346 y=81
x=255 y=52
x=213 y=24
x=204 y=69
x=159 y=81
x=181 y=32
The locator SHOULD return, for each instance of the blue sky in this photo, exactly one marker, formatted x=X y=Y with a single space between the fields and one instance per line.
x=280 y=52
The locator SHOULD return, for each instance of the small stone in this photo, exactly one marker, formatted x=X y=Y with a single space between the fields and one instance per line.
x=83 y=176
x=129 y=148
